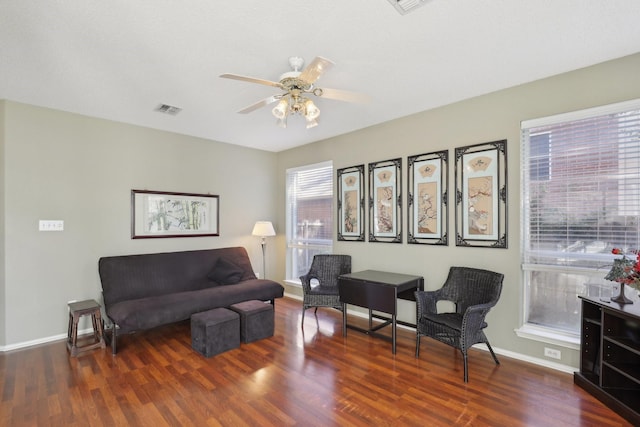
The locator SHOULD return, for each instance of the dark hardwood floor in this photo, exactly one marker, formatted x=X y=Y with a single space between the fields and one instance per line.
x=310 y=378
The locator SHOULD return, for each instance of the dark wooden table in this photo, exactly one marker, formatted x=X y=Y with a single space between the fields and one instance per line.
x=379 y=291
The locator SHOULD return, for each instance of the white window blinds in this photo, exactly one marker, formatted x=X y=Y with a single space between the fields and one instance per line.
x=581 y=186
x=310 y=192
x=309 y=215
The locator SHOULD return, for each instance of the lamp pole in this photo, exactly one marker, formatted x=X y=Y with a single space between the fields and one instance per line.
x=263 y=243
x=263 y=229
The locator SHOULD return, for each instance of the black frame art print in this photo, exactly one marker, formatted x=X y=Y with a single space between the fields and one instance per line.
x=427 y=198
x=385 y=201
x=481 y=195
x=156 y=214
x=351 y=203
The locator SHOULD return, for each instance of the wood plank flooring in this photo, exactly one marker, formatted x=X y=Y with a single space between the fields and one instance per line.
x=313 y=377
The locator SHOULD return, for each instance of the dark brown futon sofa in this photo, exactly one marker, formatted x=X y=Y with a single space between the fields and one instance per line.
x=144 y=291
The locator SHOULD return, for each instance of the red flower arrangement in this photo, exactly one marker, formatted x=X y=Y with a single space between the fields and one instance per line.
x=625 y=270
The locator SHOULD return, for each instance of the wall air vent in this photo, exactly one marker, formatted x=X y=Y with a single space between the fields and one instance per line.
x=406 y=6
x=168 y=109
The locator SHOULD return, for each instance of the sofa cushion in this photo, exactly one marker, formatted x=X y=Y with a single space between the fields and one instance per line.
x=145 y=313
x=225 y=272
x=132 y=277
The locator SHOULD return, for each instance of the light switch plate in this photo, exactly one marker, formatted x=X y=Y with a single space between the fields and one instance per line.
x=51 y=225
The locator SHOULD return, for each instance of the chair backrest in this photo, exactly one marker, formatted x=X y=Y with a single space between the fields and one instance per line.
x=327 y=267
x=472 y=286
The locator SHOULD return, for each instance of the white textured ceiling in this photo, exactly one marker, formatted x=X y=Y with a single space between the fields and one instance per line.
x=119 y=59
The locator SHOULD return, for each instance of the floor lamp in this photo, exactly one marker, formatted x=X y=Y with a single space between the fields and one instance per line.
x=263 y=229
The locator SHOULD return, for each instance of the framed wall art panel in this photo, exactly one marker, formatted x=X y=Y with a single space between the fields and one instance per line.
x=481 y=195
x=351 y=203
x=165 y=214
x=427 y=199
x=385 y=201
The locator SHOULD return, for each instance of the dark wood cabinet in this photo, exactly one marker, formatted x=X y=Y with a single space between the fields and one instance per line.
x=610 y=355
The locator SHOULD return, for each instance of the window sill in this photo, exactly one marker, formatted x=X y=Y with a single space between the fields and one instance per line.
x=549 y=336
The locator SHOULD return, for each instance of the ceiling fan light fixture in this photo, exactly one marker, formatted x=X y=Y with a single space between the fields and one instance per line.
x=281 y=110
x=311 y=111
x=311 y=123
x=282 y=123
x=297 y=85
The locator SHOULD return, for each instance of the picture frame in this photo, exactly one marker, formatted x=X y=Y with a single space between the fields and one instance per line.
x=427 y=198
x=350 y=182
x=385 y=201
x=481 y=195
x=156 y=214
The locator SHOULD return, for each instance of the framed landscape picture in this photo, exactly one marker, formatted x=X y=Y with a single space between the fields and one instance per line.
x=165 y=214
x=385 y=201
x=481 y=195
x=428 y=183
x=351 y=203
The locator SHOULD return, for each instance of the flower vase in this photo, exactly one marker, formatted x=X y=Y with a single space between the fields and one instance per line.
x=620 y=298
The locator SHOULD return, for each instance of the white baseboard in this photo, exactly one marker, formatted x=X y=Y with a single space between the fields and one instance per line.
x=40 y=341
x=293 y=296
x=534 y=360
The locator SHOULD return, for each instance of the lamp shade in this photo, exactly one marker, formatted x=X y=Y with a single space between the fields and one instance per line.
x=263 y=229
x=280 y=111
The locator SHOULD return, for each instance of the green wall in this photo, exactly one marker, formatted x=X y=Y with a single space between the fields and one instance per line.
x=58 y=165
x=490 y=117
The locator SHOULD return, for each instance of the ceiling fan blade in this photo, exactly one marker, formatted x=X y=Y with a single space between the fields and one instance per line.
x=251 y=80
x=315 y=69
x=259 y=104
x=344 y=95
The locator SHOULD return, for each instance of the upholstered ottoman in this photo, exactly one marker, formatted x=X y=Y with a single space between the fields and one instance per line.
x=215 y=331
x=256 y=320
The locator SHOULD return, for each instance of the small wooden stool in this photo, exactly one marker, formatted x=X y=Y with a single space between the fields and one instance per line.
x=77 y=310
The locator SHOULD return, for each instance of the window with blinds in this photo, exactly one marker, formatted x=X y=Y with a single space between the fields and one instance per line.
x=309 y=216
x=581 y=198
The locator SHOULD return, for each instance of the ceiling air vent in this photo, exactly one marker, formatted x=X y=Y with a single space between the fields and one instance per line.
x=406 y=6
x=168 y=109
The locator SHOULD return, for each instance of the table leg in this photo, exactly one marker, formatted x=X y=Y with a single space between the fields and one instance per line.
x=69 y=328
x=370 y=319
x=94 y=323
x=74 y=330
x=100 y=325
x=344 y=319
x=393 y=332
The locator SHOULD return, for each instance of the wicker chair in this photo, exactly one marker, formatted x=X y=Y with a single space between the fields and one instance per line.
x=325 y=269
x=474 y=292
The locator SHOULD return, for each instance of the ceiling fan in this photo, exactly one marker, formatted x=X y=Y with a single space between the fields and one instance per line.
x=297 y=85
